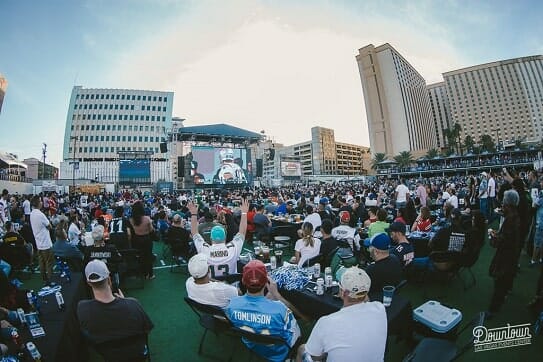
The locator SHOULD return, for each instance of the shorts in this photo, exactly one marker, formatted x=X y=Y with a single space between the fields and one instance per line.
x=538 y=236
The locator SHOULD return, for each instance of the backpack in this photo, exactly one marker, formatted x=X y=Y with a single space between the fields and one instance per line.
x=344 y=257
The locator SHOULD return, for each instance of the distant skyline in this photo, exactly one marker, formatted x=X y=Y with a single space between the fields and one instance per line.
x=278 y=66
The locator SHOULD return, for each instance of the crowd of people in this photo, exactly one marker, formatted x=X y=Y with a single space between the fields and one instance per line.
x=360 y=230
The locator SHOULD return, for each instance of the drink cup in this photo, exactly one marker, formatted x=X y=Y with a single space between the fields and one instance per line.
x=388 y=292
x=257 y=251
x=279 y=257
x=317 y=270
x=265 y=252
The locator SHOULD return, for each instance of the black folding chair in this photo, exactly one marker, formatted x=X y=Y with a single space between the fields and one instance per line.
x=211 y=318
x=435 y=349
x=129 y=349
x=130 y=266
x=312 y=261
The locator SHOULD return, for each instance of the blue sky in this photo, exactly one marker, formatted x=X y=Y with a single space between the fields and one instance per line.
x=278 y=66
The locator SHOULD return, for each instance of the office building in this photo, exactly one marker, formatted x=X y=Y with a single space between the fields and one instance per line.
x=397 y=102
x=321 y=155
x=103 y=122
x=441 y=111
x=503 y=99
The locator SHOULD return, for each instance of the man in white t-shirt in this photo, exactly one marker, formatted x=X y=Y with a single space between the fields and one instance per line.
x=26 y=208
x=400 y=194
x=40 y=228
x=491 y=193
x=223 y=256
x=333 y=335
x=346 y=233
x=4 y=210
x=201 y=289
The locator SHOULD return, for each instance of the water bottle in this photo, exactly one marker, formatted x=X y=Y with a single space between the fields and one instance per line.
x=15 y=337
x=273 y=262
x=21 y=315
x=60 y=300
x=33 y=352
x=30 y=299
x=320 y=286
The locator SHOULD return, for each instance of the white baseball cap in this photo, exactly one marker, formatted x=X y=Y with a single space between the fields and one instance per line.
x=96 y=271
x=354 y=280
x=198 y=266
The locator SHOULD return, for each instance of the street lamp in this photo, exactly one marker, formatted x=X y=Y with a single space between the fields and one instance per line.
x=497 y=137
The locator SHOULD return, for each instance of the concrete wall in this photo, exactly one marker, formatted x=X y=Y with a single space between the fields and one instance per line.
x=16 y=187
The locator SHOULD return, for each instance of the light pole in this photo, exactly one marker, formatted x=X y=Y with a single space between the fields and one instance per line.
x=73 y=162
x=497 y=138
x=44 y=152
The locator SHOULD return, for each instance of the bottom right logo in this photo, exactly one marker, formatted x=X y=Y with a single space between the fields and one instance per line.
x=501 y=337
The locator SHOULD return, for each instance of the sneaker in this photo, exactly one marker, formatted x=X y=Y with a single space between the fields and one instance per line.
x=533 y=263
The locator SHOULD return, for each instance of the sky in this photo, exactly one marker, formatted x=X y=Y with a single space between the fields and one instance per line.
x=277 y=66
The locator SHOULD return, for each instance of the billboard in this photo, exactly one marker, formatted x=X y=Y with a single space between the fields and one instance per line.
x=134 y=171
x=291 y=169
x=219 y=165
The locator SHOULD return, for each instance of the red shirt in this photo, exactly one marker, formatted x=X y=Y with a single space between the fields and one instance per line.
x=423 y=225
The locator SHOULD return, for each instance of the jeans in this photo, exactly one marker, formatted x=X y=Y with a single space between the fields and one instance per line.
x=483 y=207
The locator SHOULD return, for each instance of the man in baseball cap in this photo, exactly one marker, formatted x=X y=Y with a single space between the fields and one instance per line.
x=386 y=269
x=104 y=318
x=201 y=289
x=223 y=254
x=357 y=312
x=270 y=314
x=402 y=248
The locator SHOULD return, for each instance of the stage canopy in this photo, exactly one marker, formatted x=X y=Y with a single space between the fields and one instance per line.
x=218 y=133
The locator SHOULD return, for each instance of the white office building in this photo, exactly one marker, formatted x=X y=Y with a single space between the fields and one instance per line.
x=103 y=122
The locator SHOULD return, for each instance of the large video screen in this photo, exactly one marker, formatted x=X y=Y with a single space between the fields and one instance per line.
x=291 y=169
x=134 y=171
x=219 y=165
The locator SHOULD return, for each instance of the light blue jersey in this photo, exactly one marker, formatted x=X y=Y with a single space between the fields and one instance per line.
x=264 y=316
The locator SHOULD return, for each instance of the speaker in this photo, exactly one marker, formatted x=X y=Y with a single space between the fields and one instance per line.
x=272 y=154
x=259 y=167
x=163 y=147
x=180 y=166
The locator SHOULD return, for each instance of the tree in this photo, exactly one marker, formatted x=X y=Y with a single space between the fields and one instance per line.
x=487 y=143
x=469 y=142
x=456 y=129
x=377 y=159
x=404 y=159
x=432 y=153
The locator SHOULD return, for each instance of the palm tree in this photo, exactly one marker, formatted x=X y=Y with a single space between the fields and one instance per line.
x=404 y=159
x=377 y=159
x=487 y=143
x=457 y=128
x=469 y=142
x=432 y=153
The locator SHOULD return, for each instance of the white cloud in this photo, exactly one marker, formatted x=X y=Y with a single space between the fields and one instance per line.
x=281 y=69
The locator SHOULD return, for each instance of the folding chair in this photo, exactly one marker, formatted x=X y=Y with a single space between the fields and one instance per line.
x=266 y=340
x=435 y=349
x=18 y=258
x=211 y=318
x=129 y=349
x=131 y=267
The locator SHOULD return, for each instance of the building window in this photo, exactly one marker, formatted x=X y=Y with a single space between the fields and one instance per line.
x=129 y=138
x=146 y=139
x=154 y=108
x=132 y=107
x=148 y=108
x=152 y=118
x=124 y=138
x=126 y=117
x=146 y=118
x=102 y=138
x=137 y=117
x=118 y=138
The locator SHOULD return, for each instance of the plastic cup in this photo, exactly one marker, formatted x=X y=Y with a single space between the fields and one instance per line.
x=279 y=257
x=265 y=252
x=257 y=250
x=388 y=292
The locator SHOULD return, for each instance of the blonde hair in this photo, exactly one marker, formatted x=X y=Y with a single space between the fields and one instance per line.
x=307 y=232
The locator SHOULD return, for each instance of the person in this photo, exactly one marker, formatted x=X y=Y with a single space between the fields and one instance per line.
x=197 y=177
x=178 y=238
x=12 y=237
x=313 y=217
x=205 y=227
x=229 y=171
x=110 y=316
x=401 y=194
x=399 y=216
x=64 y=249
x=345 y=232
x=40 y=228
x=120 y=232
x=332 y=335
x=223 y=256
x=491 y=193
x=307 y=247
x=421 y=193
x=107 y=252
x=27 y=208
x=453 y=199
x=143 y=228
x=372 y=216
x=343 y=256
x=4 y=209
x=537 y=255
x=262 y=223
x=483 y=195
x=328 y=243
x=423 y=222
x=270 y=314
x=74 y=233
x=381 y=225
x=506 y=241
x=386 y=269
x=402 y=249
x=202 y=289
